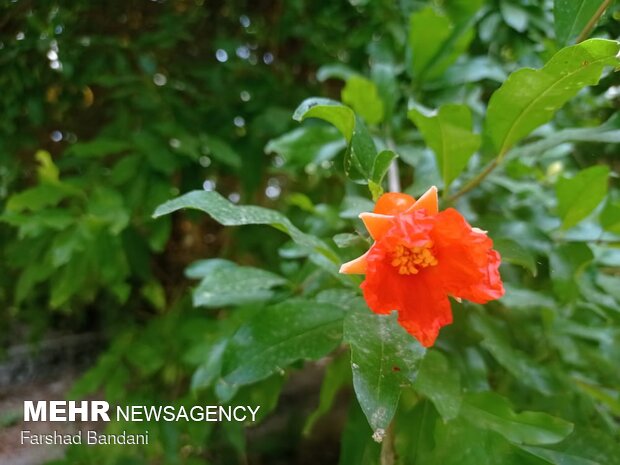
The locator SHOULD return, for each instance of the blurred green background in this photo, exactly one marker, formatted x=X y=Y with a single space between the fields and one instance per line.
x=112 y=108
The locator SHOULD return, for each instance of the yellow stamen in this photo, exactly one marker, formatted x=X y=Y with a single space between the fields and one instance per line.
x=410 y=260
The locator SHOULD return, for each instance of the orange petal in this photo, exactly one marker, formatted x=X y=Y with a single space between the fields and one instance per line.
x=357 y=266
x=376 y=224
x=428 y=201
x=392 y=203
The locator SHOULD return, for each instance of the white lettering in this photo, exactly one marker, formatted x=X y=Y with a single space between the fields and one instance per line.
x=32 y=414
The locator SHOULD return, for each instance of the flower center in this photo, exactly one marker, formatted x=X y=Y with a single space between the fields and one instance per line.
x=410 y=260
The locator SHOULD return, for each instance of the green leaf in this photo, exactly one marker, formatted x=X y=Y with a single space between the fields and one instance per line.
x=381 y=165
x=448 y=133
x=337 y=375
x=459 y=442
x=608 y=132
x=610 y=216
x=47 y=170
x=530 y=98
x=211 y=368
x=571 y=16
x=580 y=195
x=383 y=357
x=496 y=340
x=494 y=412
x=222 y=151
x=225 y=283
x=229 y=214
x=384 y=76
x=98 y=147
x=362 y=95
x=567 y=262
x=277 y=336
x=328 y=110
x=360 y=158
x=334 y=71
x=557 y=458
x=38 y=197
x=513 y=252
x=307 y=144
x=435 y=43
x=515 y=16
x=441 y=383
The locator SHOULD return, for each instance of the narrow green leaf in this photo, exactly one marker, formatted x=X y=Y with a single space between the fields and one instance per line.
x=512 y=252
x=492 y=411
x=530 y=98
x=556 y=457
x=383 y=357
x=580 y=195
x=441 y=383
x=277 y=336
x=571 y=16
x=229 y=214
x=381 y=165
x=328 y=110
x=362 y=95
x=448 y=132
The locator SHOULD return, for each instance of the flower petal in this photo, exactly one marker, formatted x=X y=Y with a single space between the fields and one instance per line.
x=376 y=224
x=420 y=299
x=428 y=201
x=357 y=266
x=467 y=263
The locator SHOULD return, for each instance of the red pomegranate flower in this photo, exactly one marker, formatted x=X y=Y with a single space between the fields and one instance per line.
x=420 y=257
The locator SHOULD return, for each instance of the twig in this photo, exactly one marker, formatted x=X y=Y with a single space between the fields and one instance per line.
x=475 y=181
x=593 y=20
x=393 y=172
x=388 y=455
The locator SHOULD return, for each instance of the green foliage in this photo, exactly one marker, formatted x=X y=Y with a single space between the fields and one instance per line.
x=448 y=132
x=102 y=128
x=383 y=357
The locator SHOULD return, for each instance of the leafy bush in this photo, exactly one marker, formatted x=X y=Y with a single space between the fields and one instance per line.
x=505 y=106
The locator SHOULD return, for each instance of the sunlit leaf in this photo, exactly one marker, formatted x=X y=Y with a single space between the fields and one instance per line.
x=580 y=195
x=279 y=335
x=383 y=358
x=362 y=95
x=530 y=98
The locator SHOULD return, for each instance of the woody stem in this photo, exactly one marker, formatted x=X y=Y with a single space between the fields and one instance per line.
x=393 y=172
x=388 y=455
x=475 y=181
x=592 y=22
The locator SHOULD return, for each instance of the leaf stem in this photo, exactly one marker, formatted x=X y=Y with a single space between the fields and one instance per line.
x=388 y=455
x=585 y=33
x=393 y=172
x=475 y=181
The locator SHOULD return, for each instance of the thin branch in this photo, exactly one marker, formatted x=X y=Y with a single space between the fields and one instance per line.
x=388 y=454
x=393 y=172
x=585 y=33
x=475 y=181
